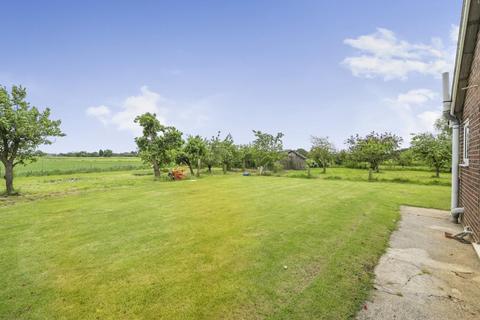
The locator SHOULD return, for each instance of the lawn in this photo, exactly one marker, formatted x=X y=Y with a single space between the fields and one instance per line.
x=64 y=165
x=118 y=245
x=407 y=175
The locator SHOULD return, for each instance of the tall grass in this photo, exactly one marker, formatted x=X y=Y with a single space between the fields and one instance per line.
x=45 y=166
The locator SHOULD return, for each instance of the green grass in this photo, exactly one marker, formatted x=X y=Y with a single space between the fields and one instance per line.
x=117 y=245
x=66 y=165
x=413 y=176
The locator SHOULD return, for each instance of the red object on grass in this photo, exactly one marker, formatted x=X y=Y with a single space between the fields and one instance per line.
x=178 y=174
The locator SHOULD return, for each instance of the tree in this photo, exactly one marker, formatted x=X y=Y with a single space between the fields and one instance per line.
x=405 y=157
x=23 y=128
x=212 y=154
x=340 y=157
x=435 y=150
x=107 y=153
x=245 y=155
x=322 y=151
x=442 y=126
x=267 y=149
x=309 y=163
x=182 y=158
x=195 y=149
x=374 y=148
x=159 y=144
x=227 y=151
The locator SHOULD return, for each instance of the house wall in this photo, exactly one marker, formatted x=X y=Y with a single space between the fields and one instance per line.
x=469 y=187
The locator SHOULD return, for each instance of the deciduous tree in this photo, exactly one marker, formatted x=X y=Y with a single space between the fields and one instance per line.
x=245 y=155
x=23 y=128
x=309 y=164
x=159 y=144
x=227 y=152
x=374 y=148
x=195 y=149
x=267 y=149
x=322 y=151
x=405 y=157
x=435 y=150
x=212 y=154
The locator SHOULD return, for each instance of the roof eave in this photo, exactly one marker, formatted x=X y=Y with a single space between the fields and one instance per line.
x=467 y=39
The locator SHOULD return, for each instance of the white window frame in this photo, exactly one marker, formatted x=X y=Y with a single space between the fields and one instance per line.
x=466 y=142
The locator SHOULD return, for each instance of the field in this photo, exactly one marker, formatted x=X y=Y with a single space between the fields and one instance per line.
x=63 y=165
x=119 y=245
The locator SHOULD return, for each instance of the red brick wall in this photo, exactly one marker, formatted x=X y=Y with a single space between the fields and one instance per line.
x=470 y=175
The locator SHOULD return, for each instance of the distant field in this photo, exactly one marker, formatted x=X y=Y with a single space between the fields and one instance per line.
x=62 y=165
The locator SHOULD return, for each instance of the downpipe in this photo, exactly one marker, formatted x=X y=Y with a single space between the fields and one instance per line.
x=456 y=213
x=455 y=125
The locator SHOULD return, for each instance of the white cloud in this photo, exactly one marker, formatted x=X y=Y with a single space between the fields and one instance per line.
x=416 y=111
x=383 y=54
x=427 y=119
x=133 y=106
x=146 y=101
x=415 y=97
x=167 y=111
x=102 y=113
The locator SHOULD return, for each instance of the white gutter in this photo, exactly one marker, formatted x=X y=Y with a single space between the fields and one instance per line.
x=458 y=61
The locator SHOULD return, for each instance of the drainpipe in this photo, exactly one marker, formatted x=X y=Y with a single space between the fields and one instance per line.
x=455 y=125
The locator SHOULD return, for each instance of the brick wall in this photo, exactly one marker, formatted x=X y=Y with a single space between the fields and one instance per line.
x=470 y=175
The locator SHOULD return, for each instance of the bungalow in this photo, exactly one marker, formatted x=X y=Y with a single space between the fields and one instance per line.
x=462 y=108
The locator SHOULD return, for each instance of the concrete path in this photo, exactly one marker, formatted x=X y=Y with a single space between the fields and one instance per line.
x=424 y=275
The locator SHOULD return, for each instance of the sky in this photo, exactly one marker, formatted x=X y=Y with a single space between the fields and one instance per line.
x=323 y=68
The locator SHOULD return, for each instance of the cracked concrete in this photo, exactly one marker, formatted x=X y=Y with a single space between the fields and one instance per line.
x=424 y=275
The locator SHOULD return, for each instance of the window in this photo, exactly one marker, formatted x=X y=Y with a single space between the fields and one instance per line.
x=466 y=142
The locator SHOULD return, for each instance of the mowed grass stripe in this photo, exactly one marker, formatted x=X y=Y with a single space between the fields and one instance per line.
x=211 y=248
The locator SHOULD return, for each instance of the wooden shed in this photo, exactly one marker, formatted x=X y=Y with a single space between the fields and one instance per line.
x=294 y=160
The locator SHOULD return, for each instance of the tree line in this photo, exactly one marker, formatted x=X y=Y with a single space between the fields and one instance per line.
x=105 y=153
x=161 y=146
x=23 y=128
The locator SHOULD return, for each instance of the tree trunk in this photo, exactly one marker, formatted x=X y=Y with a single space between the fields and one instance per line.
x=324 y=168
x=244 y=165
x=156 y=170
x=199 y=163
x=9 y=177
x=437 y=172
x=209 y=168
x=260 y=169
x=224 y=168
x=370 y=174
x=191 y=169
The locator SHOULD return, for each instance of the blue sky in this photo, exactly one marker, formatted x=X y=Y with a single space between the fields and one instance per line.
x=304 y=68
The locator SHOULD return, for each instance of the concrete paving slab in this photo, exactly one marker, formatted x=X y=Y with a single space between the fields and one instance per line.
x=424 y=275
